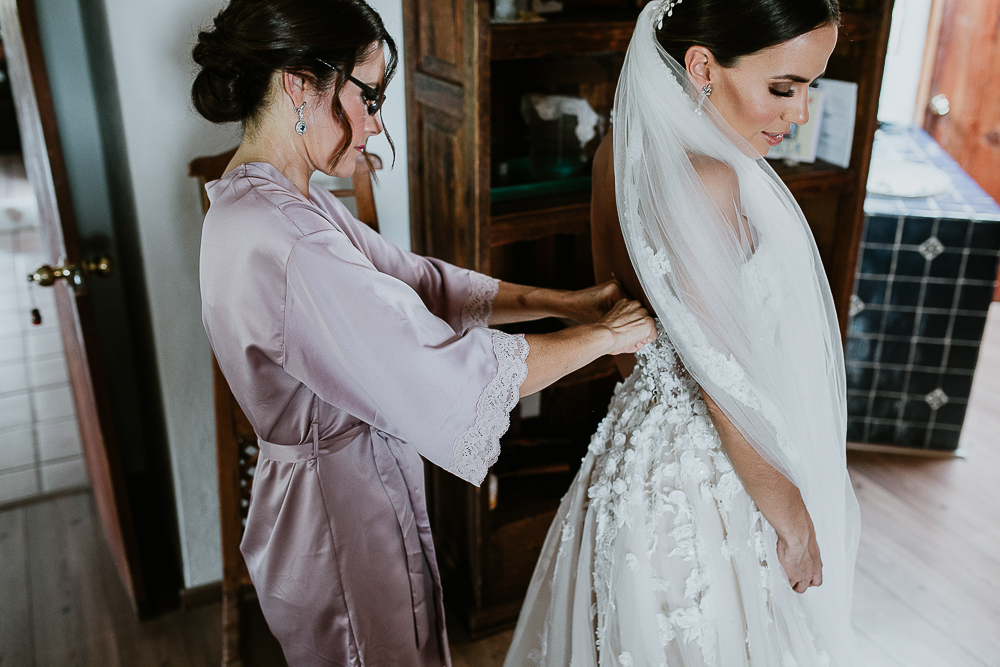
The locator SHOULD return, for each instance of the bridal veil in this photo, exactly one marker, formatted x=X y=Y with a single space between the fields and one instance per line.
x=730 y=267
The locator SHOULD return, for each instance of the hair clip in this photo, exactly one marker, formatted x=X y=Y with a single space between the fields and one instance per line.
x=666 y=8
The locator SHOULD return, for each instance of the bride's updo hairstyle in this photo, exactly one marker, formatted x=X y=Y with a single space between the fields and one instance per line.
x=252 y=39
x=731 y=29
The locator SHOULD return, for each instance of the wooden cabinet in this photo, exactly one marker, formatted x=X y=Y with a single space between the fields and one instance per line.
x=465 y=78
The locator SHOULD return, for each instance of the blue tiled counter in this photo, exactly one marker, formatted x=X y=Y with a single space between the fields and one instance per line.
x=925 y=281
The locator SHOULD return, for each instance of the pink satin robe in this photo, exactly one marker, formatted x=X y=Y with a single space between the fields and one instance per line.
x=352 y=359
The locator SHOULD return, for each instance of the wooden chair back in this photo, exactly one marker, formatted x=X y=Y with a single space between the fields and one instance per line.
x=235 y=440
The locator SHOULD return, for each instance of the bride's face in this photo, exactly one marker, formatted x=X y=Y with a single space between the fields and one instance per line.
x=765 y=92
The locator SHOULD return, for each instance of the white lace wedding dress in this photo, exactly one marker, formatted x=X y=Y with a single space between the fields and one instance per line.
x=657 y=555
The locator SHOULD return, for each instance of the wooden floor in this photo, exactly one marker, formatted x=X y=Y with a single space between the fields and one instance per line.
x=62 y=603
x=927 y=592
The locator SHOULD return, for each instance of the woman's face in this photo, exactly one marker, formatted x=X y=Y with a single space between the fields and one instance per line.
x=324 y=135
x=765 y=92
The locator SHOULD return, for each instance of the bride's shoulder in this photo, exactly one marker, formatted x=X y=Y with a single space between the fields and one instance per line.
x=718 y=177
x=721 y=184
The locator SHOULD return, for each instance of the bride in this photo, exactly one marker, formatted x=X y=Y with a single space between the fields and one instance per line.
x=712 y=522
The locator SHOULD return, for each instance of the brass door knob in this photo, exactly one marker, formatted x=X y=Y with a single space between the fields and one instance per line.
x=102 y=266
x=939 y=105
x=46 y=275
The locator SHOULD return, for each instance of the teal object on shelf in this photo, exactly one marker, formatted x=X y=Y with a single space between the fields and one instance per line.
x=540 y=189
x=518 y=183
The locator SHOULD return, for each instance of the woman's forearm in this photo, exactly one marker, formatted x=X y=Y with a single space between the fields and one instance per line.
x=775 y=496
x=520 y=303
x=555 y=355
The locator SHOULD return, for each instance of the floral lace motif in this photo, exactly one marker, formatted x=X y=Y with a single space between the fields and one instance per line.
x=656 y=441
x=478 y=448
x=479 y=306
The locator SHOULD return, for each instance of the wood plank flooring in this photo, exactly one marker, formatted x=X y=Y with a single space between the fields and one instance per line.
x=927 y=592
x=61 y=603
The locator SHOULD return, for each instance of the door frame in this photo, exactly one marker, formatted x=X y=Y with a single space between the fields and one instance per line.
x=46 y=170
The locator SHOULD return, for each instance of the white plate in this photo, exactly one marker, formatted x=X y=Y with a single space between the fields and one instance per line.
x=895 y=178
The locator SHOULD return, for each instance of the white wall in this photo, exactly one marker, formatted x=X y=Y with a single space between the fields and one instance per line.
x=907 y=39
x=392 y=194
x=151 y=44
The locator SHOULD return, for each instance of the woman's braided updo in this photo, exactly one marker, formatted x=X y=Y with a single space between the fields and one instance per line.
x=252 y=39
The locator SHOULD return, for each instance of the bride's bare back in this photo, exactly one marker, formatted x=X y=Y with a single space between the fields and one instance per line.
x=611 y=258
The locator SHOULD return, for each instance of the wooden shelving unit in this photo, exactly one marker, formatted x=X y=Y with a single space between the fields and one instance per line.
x=529 y=220
x=465 y=77
x=581 y=34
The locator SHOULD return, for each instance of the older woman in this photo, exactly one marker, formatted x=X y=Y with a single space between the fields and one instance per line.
x=352 y=357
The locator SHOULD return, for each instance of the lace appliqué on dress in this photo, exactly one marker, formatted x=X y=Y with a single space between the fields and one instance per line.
x=478 y=448
x=479 y=306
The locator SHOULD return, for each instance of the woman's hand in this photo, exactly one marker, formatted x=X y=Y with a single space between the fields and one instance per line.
x=630 y=325
x=591 y=304
x=626 y=328
x=798 y=552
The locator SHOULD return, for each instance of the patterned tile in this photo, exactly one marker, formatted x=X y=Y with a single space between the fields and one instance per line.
x=985 y=236
x=925 y=280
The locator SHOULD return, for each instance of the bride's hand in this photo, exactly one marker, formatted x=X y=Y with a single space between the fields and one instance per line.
x=630 y=325
x=590 y=305
x=798 y=552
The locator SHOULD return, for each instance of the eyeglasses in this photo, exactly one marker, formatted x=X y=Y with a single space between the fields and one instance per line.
x=373 y=99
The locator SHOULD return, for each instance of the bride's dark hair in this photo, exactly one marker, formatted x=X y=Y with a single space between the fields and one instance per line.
x=731 y=29
x=252 y=39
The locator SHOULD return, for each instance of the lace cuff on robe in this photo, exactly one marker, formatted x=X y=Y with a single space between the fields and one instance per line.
x=478 y=448
x=479 y=306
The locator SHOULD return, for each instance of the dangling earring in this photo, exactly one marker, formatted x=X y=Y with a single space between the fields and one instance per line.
x=300 y=127
x=705 y=92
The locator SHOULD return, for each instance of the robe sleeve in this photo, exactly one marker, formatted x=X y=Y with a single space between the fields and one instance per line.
x=365 y=342
x=460 y=297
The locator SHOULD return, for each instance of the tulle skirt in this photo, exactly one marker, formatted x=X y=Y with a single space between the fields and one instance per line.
x=658 y=556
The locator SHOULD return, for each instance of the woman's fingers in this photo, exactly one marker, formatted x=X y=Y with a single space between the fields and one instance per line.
x=611 y=293
x=591 y=304
x=631 y=326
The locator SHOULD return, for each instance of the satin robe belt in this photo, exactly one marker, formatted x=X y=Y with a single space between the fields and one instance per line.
x=398 y=483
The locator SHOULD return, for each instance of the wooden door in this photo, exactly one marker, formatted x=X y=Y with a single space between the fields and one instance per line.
x=966 y=71
x=47 y=172
x=446 y=48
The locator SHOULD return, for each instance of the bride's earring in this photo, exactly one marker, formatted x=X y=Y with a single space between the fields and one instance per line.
x=705 y=92
x=300 y=127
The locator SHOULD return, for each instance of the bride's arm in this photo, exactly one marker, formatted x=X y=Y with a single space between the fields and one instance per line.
x=778 y=500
